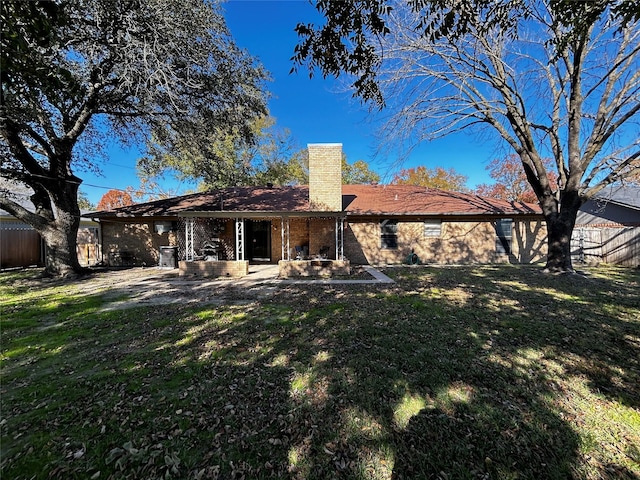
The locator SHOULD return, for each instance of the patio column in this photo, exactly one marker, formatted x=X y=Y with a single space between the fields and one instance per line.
x=188 y=237
x=339 y=238
x=284 y=236
x=239 y=239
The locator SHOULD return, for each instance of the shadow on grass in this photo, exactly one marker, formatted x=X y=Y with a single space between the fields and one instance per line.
x=452 y=373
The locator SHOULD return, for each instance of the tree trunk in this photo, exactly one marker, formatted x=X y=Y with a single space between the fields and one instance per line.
x=61 y=258
x=60 y=236
x=559 y=230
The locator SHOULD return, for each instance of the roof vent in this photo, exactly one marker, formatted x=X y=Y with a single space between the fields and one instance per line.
x=269 y=185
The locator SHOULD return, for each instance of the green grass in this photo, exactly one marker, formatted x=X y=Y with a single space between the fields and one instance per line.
x=462 y=372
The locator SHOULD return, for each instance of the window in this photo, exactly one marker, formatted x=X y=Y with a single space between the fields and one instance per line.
x=389 y=234
x=432 y=228
x=164 y=227
x=503 y=236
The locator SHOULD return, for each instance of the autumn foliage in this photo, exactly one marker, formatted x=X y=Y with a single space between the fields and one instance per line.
x=511 y=181
x=439 y=177
x=114 y=199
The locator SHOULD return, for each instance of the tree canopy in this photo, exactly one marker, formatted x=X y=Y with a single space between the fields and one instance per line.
x=548 y=79
x=438 y=177
x=357 y=172
x=78 y=74
x=510 y=180
x=221 y=160
x=114 y=199
x=84 y=203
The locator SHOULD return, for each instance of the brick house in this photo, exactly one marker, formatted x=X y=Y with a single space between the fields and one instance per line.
x=220 y=232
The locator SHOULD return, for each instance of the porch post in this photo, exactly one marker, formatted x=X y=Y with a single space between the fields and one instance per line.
x=339 y=238
x=188 y=237
x=284 y=236
x=239 y=239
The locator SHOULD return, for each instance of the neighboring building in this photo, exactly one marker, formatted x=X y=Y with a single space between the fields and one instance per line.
x=608 y=228
x=364 y=224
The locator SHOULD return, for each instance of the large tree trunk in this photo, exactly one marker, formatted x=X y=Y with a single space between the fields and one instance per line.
x=559 y=230
x=60 y=236
x=57 y=219
x=61 y=258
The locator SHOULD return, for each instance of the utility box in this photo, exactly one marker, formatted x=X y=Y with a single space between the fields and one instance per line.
x=168 y=257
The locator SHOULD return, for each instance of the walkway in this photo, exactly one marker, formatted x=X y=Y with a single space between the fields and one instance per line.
x=269 y=274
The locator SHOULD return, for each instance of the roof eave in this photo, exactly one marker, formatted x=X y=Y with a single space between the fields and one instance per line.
x=445 y=214
x=256 y=214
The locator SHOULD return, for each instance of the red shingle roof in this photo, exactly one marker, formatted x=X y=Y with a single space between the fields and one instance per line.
x=412 y=200
x=388 y=200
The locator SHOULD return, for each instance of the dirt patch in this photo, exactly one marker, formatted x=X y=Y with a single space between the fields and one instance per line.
x=135 y=287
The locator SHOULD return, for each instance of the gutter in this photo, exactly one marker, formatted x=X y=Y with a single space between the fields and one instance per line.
x=254 y=214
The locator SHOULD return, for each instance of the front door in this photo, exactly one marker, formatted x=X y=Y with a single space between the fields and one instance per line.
x=259 y=240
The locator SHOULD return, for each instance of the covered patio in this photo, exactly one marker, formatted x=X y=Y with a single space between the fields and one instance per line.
x=224 y=244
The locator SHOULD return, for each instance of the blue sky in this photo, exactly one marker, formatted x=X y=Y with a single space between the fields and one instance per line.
x=314 y=110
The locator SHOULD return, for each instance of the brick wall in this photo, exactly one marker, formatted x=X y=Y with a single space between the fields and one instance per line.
x=459 y=242
x=126 y=243
x=313 y=268
x=322 y=235
x=325 y=177
x=298 y=234
x=221 y=268
x=529 y=241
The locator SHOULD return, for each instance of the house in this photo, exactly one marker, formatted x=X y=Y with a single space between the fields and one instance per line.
x=325 y=225
x=22 y=246
x=608 y=228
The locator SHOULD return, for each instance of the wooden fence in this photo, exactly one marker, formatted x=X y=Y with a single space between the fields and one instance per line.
x=23 y=247
x=620 y=246
x=20 y=248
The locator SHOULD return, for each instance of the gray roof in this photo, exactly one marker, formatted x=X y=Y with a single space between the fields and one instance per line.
x=625 y=195
x=18 y=192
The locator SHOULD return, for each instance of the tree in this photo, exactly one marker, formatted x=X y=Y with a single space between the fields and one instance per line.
x=357 y=173
x=547 y=78
x=216 y=159
x=76 y=74
x=150 y=190
x=275 y=157
x=114 y=199
x=511 y=181
x=223 y=158
x=83 y=202
x=439 y=177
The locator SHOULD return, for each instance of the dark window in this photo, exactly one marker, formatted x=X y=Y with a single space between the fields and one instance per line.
x=503 y=236
x=389 y=234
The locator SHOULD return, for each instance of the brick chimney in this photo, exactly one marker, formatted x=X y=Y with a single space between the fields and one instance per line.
x=325 y=177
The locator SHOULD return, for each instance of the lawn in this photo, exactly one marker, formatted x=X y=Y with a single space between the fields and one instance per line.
x=498 y=372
